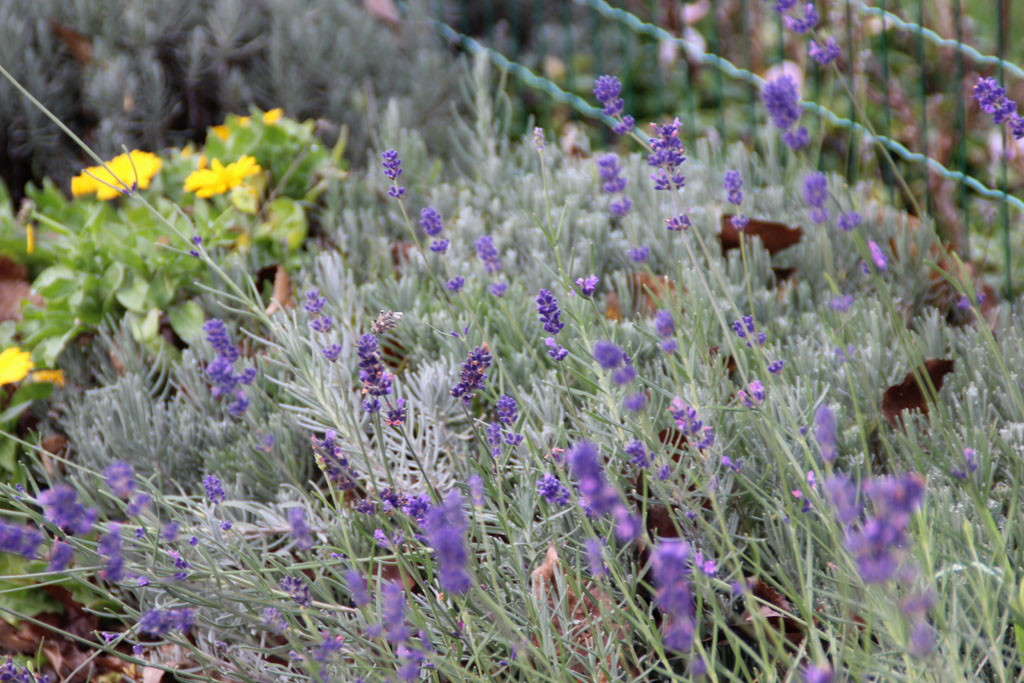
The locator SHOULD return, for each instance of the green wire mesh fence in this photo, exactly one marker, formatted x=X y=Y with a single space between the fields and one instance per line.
x=908 y=68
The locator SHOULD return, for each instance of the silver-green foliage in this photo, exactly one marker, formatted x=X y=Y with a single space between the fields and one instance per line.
x=550 y=224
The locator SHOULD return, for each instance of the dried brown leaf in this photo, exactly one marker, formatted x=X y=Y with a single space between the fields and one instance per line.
x=77 y=43
x=910 y=394
x=282 y=296
x=774 y=236
x=585 y=624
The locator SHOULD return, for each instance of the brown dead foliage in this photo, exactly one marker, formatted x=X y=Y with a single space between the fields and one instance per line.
x=645 y=291
x=585 y=627
x=774 y=236
x=778 y=612
x=910 y=394
x=14 y=288
x=282 y=296
x=77 y=43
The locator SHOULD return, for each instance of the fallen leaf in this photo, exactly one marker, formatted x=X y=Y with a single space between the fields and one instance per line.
x=774 y=236
x=585 y=624
x=77 y=43
x=645 y=291
x=384 y=10
x=14 y=288
x=282 y=296
x=910 y=394
x=400 y=254
x=778 y=612
x=152 y=675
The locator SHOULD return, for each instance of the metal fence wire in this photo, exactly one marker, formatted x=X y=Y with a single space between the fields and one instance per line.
x=907 y=69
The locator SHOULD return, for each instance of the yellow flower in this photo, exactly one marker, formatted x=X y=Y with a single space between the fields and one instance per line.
x=30 y=238
x=201 y=162
x=138 y=167
x=218 y=179
x=14 y=365
x=221 y=131
x=51 y=376
x=273 y=116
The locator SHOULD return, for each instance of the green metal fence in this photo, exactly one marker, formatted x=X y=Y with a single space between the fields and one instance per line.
x=903 y=90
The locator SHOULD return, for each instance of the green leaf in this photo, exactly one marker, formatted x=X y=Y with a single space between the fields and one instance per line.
x=187 y=320
x=287 y=222
x=161 y=292
x=133 y=295
x=23 y=598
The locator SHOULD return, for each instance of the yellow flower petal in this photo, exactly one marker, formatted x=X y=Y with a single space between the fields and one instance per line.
x=221 y=131
x=273 y=116
x=14 y=365
x=51 y=376
x=219 y=178
x=30 y=238
x=136 y=167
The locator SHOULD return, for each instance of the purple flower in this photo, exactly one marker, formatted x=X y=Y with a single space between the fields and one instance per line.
x=596 y=494
x=809 y=21
x=394 y=416
x=677 y=223
x=221 y=369
x=667 y=156
x=547 y=310
x=392 y=169
x=314 y=302
x=627 y=525
x=689 y=423
x=825 y=433
x=782 y=100
x=506 y=409
x=157 y=623
x=393 y=612
x=473 y=374
x=273 y=619
x=638 y=454
x=169 y=532
x=439 y=246
x=61 y=509
x=796 y=138
x=538 y=138
x=331 y=352
x=476 y=491
x=635 y=402
x=608 y=355
x=844 y=496
x=841 y=303
x=214 y=490
x=881 y=262
x=848 y=221
x=731 y=183
x=552 y=490
x=624 y=126
x=456 y=284
x=587 y=285
x=671 y=564
x=299 y=529
x=430 y=221
x=609 y=171
x=817 y=674
x=595 y=559
x=109 y=548
x=815 y=191
x=376 y=380
x=59 y=559
x=753 y=396
x=625 y=374
x=139 y=503
x=639 y=254
x=498 y=289
x=970 y=465
x=21 y=541
x=445 y=529
x=120 y=478
x=357 y=588
x=664 y=324
x=487 y=253
x=558 y=353
x=297 y=590
x=824 y=54
x=606 y=90
x=743 y=327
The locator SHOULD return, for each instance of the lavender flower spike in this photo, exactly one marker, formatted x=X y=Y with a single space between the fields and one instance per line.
x=445 y=528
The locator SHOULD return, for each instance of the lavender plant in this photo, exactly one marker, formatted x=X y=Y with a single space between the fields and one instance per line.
x=646 y=498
